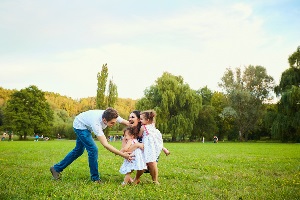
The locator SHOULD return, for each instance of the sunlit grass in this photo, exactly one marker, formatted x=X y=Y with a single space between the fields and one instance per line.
x=192 y=171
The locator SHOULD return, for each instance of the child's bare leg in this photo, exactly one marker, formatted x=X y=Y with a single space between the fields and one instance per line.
x=127 y=179
x=166 y=151
x=138 y=175
x=153 y=171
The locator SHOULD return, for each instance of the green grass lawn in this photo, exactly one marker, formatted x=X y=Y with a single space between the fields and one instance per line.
x=192 y=171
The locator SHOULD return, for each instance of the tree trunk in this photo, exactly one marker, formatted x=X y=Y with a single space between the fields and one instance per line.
x=173 y=138
x=241 y=136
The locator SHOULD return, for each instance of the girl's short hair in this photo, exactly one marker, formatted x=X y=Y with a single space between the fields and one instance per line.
x=131 y=130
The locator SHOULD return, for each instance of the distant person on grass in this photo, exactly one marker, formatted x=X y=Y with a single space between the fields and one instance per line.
x=216 y=139
x=85 y=123
x=139 y=164
x=36 y=138
x=3 y=136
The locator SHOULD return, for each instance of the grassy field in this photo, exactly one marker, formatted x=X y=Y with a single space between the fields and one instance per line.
x=192 y=171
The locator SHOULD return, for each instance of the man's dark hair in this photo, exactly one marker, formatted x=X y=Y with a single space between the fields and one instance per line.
x=110 y=114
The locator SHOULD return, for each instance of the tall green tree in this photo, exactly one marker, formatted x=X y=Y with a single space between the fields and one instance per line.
x=176 y=104
x=206 y=95
x=112 y=94
x=246 y=91
x=286 y=125
x=28 y=112
x=294 y=59
x=219 y=101
x=111 y=101
x=268 y=118
x=205 y=124
x=102 y=80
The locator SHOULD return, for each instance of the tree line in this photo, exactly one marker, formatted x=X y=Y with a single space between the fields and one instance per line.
x=243 y=110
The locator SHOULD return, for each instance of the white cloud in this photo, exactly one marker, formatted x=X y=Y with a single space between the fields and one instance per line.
x=65 y=53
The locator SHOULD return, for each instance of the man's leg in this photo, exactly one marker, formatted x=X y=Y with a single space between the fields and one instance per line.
x=71 y=156
x=87 y=140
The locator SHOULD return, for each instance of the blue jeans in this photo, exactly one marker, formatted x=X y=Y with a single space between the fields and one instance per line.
x=84 y=140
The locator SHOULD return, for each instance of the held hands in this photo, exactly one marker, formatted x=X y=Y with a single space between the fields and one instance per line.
x=129 y=156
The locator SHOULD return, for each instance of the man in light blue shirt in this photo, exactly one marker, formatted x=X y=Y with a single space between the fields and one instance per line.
x=85 y=123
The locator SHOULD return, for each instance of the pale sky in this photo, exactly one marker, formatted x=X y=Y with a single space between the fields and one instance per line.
x=61 y=45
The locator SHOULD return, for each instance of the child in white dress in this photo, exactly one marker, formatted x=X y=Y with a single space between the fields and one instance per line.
x=139 y=164
x=153 y=142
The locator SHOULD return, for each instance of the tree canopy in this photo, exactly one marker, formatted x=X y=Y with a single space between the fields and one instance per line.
x=246 y=91
x=286 y=125
x=28 y=112
x=176 y=104
x=242 y=110
x=101 y=87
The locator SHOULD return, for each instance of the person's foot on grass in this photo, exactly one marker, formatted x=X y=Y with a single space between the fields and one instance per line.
x=124 y=184
x=56 y=175
x=156 y=183
x=98 y=181
x=130 y=181
x=136 y=181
